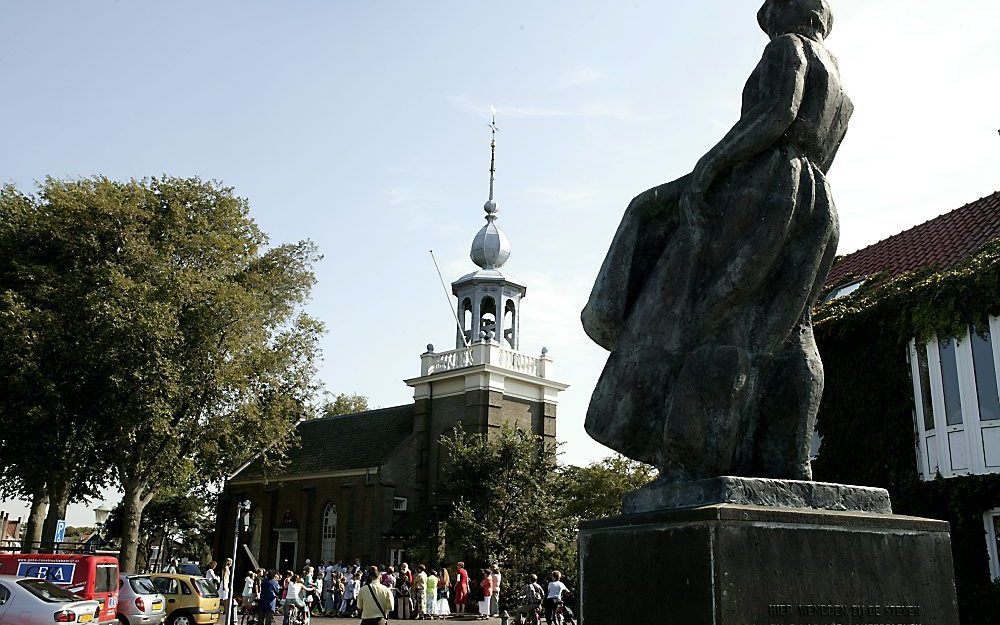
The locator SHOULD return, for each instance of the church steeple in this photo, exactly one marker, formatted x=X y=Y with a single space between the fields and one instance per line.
x=490 y=247
x=489 y=300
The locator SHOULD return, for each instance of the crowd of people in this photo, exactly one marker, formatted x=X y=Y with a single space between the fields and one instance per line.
x=374 y=593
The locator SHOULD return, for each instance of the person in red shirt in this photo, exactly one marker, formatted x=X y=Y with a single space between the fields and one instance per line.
x=461 y=588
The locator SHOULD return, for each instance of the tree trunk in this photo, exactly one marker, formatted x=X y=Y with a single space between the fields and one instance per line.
x=58 y=490
x=33 y=529
x=133 y=503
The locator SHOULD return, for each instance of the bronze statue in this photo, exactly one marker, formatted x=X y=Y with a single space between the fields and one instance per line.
x=704 y=297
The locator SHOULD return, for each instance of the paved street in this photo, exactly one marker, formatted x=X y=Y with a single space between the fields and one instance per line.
x=316 y=620
x=491 y=621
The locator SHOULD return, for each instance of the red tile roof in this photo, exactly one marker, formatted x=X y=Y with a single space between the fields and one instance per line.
x=942 y=243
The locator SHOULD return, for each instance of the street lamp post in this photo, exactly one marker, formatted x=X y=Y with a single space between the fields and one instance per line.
x=242 y=521
x=101 y=516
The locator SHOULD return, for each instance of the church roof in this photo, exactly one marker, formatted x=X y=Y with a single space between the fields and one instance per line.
x=941 y=243
x=343 y=442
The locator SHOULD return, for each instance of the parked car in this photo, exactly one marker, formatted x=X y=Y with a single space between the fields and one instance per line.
x=33 y=601
x=138 y=601
x=191 y=599
x=190 y=568
x=86 y=575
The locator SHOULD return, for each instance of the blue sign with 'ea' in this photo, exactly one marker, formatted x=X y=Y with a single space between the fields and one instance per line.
x=55 y=572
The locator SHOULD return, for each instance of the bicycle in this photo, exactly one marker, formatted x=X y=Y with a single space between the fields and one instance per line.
x=248 y=613
x=294 y=615
x=558 y=614
x=534 y=614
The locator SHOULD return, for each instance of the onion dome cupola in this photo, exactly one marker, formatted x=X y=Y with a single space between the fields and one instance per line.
x=491 y=247
x=489 y=300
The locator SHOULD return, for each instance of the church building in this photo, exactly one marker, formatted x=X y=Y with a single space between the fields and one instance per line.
x=364 y=485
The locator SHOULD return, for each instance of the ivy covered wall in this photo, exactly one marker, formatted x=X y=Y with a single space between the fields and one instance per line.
x=866 y=416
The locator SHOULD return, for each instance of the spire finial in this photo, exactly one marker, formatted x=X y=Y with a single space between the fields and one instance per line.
x=490 y=248
x=491 y=205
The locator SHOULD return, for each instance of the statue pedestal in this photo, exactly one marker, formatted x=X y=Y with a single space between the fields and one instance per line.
x=731 y=564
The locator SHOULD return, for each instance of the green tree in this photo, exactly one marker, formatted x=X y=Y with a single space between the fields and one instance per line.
x=508 y=498
x=53 y=437
x=189 y=350
x=596 y=490
x=345 y=404
x=169 y=519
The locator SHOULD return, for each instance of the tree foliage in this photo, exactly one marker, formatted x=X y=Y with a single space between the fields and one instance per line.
x=345 y=404
x=151 y=318
x=596 y=490
x=509 y=503
x=182 y=523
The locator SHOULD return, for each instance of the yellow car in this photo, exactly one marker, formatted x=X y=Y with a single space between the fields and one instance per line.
x=191 y=600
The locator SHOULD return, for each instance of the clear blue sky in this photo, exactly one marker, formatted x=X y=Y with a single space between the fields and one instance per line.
x=362 y=125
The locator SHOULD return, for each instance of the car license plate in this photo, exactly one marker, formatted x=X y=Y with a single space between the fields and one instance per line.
x=157 y=605
x=85 y=618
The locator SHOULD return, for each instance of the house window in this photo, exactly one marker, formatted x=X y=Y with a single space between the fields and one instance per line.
x=329 y=547
x=371 y=475
x=949 y=373
x=957 y=403
x=843 y=291
x=986 y=376
x=992 y=522
x=924 y=377
x=399 y=504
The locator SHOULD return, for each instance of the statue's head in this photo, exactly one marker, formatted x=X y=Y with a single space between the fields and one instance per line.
x=811 y=18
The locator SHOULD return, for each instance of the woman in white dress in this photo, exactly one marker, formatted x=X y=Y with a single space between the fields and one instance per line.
x=443 y=608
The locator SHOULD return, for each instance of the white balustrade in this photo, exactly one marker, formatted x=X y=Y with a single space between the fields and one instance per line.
x=484 y=354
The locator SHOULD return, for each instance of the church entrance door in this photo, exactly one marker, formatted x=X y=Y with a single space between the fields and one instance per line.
x=288 y=542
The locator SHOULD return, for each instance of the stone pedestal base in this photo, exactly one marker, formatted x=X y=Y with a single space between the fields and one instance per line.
x=729 y=564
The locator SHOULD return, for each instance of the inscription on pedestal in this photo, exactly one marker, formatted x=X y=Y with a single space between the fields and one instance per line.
x=843 y=614
x=737 y=565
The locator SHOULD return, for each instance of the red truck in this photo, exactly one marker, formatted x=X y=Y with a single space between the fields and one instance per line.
x=89 y=576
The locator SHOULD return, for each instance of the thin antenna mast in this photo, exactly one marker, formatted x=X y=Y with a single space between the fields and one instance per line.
x=447 y=299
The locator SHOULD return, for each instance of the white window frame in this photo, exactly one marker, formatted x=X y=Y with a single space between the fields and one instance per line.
x=399 y=504
x=970 y=432
x=991 y=542
x=328 y=534
x=397 y=557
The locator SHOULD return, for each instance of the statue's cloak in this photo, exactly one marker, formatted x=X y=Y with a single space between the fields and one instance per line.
x=739 y=269
x=653 y=233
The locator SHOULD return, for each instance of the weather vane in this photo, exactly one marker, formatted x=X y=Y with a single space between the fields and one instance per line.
x=493 y=122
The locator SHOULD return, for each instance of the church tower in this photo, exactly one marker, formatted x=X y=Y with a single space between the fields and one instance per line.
x=486 y=382
x=489 y=300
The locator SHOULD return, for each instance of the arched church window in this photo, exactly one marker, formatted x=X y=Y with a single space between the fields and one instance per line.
x=508 y=324
x=466 y=318
x=329 y=544
x=488 y=314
